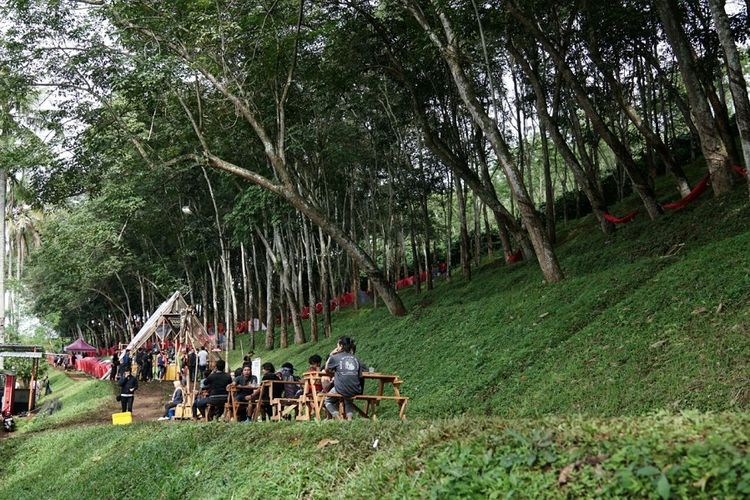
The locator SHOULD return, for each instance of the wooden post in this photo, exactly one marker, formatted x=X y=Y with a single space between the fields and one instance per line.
x=32 y=387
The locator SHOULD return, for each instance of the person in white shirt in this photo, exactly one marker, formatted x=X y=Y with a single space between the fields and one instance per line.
x=202 y=359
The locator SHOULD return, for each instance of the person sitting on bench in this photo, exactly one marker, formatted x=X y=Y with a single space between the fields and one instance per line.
x=269 y=373
x=245 y=384
x=346 y=369
x=216 y=384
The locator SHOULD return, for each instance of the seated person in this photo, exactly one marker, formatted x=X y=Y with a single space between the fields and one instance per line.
x=287 y=373
x=246 y=361
x=216 y=384
x=177 y=398
x=346 y=369
x=245 y=383
x=315 y=361
x=262 y=393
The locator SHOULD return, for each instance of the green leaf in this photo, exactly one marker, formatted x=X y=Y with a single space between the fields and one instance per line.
x=662 y=487
x=648 y=470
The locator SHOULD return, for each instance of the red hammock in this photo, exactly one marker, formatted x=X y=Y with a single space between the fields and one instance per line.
x=620 y=220
x=741 y=171
x=514 y=257
x=698 y=190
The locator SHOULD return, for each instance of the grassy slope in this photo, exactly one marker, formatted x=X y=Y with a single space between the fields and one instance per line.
x=690 y=455
x=80 y=402
x=630 y=331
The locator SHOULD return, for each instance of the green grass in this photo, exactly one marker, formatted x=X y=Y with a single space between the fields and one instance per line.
x=628 y=379
x=631 y=329
x=689 y=455
x=80 y=401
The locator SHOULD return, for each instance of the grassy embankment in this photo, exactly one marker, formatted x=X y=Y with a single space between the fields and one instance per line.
x=652 y=319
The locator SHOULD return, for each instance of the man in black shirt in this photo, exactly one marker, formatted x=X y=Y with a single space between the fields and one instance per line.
x=216 y=384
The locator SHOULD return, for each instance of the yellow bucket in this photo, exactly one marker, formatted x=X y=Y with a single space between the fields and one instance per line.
x=122 y=418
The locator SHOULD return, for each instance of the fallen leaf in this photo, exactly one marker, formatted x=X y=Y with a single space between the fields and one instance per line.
x=720 y=309
x=699 y=310
x=543 y=315
x=658 y=344
x=565 y=474
x=325 y=442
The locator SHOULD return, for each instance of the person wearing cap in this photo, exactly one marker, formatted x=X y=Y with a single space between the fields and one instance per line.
x=287 y=374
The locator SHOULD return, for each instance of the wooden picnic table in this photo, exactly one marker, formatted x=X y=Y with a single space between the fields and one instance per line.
x=233 y=404
x=317 y=399
x=277 y=404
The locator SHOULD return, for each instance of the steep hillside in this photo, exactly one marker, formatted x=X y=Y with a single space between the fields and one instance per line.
x=654 y=317
x=603 y=385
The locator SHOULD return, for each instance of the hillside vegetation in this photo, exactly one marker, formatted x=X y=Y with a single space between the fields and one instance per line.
x=655 y=317
x=596 y=386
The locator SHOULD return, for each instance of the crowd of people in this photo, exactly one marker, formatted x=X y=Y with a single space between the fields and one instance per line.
x=341 y=374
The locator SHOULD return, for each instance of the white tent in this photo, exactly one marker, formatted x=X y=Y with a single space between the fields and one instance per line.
x=178 y=315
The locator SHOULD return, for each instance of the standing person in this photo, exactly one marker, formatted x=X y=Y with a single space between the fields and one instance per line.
x=126 y=362
x=346 y=369
x=202 y=359
x=128 y=385
x=115 y=367
x=192 y=365
x=148 y=367
x=161 y=365
x=139 y=357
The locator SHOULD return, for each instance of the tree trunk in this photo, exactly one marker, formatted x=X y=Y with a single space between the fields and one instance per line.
x=451 y=55
x=737 y=84
x=311 y=296
x=325 y=290
x=464 y=231
x=270 y=320
x=711 y=143
x=3 y=201
x=549 y=192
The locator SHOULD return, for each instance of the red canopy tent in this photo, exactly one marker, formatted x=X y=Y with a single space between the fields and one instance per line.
x=80 y=345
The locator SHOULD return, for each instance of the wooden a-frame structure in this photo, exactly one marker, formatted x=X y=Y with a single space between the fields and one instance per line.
x=177 y=319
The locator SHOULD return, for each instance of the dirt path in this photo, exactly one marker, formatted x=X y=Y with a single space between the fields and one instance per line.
x=148 y=404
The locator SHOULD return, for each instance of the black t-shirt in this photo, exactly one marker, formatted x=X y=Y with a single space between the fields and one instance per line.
x=217 y=383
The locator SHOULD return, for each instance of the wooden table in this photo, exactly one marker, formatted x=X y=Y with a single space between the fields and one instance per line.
x=371 y=400
x=233 y=404
x=277 y=404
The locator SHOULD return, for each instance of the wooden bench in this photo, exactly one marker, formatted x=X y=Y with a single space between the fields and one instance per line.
x=283 y=407
x=371 y=403
x=266 y=388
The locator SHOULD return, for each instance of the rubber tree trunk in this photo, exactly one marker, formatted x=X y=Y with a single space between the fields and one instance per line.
x=711 y=143
x=737 y=84
x=325 y=289
x=311 y=296
x=270 y=320
x=451 y=54
x=640 y=182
